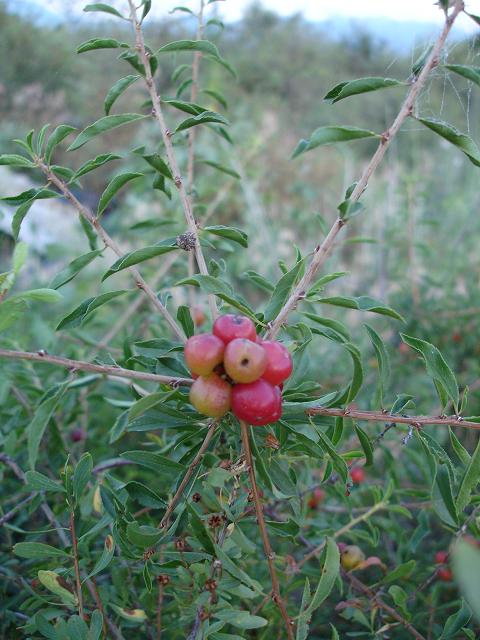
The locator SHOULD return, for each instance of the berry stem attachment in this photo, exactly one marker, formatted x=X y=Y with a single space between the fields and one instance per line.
x=276 y=596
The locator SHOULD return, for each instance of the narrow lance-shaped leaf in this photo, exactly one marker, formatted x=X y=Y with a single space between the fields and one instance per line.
x=460 y=140
x=470 y=480
x=329 y=573
x=361 y=85
x=107 y=123
x=38 y=551
x=95 y=163
x=202 y=118
x=105 y=8
x=81 y=313
x=140 y=255
x=383 y=359
x=229 y=233
x=113 y=188
x=436 y=366
x=116 y=91
x=101 y=43
x=470 y=73
x=105 y=559
x=72 y=269
x=330 y=135
x=82 y=475
x=362 y=303
x=282 y=291
x=37 y=426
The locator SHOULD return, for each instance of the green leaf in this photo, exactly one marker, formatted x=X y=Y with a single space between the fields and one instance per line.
x=59 y=134
x=334 y=329
x=74 y=268
x=96 y=625
x=38 y=551
x=460 y=140
x=37 y=295
x=116 y=91
x=143 y=535
x=29 y=196
x=156 y=161
x=146 y=403
x=460 y=451
x=82 y=475
x=366 y=445
x=91 y=165
x=362 y=303
x=19 y=216
x=383 y=359
x=140 y=255
x=105 y=559
x=107 y=123
x=329 y=573
x=466 y=569
x=362 y=85
x=199 y=531
x=39 y=482
x=221 y=167
x=470 y=480
x=113 y=188
x=230 y=233
x=436 y=366
x=192 y=108
x=101 y=43
x=357 y=377
x=443 y=489
x=241 y=619
x=57 y=585
x=218 y=97
x=204 y=46
x=330 y=135
x=83 y=311
x=282 y=291
x=105 y=8
x=185 y=320
x=456 y=621
x=13 y=160
x=220 y=288
x=202 y=118
x=41 y=418
x=162 y=466
x=338 y=462
x=471 y=73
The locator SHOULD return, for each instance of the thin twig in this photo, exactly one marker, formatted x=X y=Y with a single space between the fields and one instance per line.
x=167 y=141
x=376 y=599
x=111 y=464
x=80 y=365
x=322 y=251
x=188 y=474
x=110 y=242
x=114 y=630
x=10 y=514
x=76 y=565
x=379 y=416
x=270 y=555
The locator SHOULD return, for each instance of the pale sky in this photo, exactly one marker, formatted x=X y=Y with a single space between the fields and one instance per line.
x=417 y=10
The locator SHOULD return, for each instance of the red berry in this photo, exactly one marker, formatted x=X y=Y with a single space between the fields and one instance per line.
x=244 y=360
x=441 y=557
x=78 y=435
x=445 y=574
x=211 y=395
x=357 y=475
x=257 y=403
x=203 y=353
x=229 y=327
x=279 y=362
x=316 y=498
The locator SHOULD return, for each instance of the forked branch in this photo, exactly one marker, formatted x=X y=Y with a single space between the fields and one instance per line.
x=167 y=141
x=270 y=555
x=322 y=251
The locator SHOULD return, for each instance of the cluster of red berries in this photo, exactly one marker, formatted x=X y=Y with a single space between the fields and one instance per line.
x=444 y=573
x=234 y=369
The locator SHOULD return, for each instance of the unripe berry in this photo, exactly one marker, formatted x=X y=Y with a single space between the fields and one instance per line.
x=244 y=360
x=230 y=326
x=257 y=403
x=203 y=353
x=198 y=316
x=351 y=557
x=358 y=475
x=279 y=362
x=211 y=395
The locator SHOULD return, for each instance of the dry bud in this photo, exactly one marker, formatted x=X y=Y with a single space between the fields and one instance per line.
x=186 y=241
